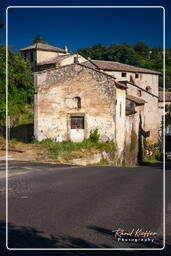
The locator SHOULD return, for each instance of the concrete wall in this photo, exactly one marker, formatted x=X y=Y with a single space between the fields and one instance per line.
x=70 y=59
x=46 y=55
x=143 y=81
x=54 y=103
x=120 y=120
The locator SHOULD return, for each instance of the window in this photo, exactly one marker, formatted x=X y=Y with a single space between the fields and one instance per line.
x=25 y=55
x=123 y=74
x=78 y=102
x=136 y=75
x=139 y=93
x=148 y=89
x=77 y=122
x=31 y=56
x=76 y=59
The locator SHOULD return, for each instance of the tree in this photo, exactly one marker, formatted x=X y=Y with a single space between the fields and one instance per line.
x=20 y=85
x=1 y=26
x=142 y=49
x=38 y=39
x=1 y=23
x=137 y=55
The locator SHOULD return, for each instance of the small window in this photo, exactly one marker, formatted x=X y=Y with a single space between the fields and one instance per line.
x=76 y=59
x=25 y=55
x=31 y=56
x=139 y=93
x=78 y=102
x=123 y=74
x=148 y=89
x=136 y=75
x=77 y=122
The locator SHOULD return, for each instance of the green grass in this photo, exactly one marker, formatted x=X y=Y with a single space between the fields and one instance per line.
x=69 y=150
x=13 y=143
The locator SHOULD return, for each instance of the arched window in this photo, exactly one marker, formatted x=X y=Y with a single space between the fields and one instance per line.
x=78 y=102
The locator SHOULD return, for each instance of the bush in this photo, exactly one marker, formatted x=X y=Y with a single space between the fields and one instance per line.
x=94 y=135
x=156 y=149
x=69 y=150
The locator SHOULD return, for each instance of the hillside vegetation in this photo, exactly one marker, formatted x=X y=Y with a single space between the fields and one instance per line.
x=20 y=88
x=137 y=55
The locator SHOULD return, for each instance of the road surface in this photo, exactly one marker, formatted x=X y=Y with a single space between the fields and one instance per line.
x=58 y=206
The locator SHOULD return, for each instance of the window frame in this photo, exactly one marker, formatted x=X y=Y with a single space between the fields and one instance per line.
x=78 y=100
x=139 y=93
x=77 y=124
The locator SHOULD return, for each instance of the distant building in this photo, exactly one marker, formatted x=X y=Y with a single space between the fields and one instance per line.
x=164 y=100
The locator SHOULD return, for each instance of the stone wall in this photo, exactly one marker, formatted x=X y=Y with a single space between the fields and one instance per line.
x=54 y=102
x=133 y=141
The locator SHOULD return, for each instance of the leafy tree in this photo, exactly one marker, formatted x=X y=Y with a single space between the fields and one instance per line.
x=1 y=26
x=1 y=23
x=38 y=39
x=141 y=48
x=20 y=85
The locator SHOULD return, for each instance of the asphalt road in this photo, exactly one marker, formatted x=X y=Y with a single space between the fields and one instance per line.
x=57 y=206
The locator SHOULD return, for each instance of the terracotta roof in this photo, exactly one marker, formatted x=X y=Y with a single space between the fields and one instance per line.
x=45 y=47
x=136 y=100
x=117 y=66
x=167 y=96
x=91 y=66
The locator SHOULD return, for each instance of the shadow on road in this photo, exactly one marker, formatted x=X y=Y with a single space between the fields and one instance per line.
x=26 y=237
x=158 y=165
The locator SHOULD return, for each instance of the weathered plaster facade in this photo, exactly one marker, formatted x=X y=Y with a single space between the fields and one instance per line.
x=144 y=80
x=151 y=112
x=46 y=55
x=120 y=118
x=56 y=91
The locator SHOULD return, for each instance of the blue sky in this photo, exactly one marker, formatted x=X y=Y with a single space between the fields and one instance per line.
x=86 y=27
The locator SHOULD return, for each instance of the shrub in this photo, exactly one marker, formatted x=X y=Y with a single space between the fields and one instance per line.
x=156 y=148
x=94 y=135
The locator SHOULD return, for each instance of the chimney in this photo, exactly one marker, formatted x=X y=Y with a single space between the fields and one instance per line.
x=66 y=49
x=76 y=59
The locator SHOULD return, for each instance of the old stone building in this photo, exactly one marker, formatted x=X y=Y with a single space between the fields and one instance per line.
x=74 y=96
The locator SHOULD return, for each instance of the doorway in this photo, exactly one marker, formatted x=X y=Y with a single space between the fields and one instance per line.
x=77 y=128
